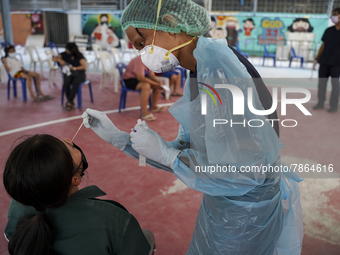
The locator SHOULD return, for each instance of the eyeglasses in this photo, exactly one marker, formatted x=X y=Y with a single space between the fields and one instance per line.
x=83 y=160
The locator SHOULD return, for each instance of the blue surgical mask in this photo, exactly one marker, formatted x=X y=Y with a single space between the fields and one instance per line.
x=12 y=54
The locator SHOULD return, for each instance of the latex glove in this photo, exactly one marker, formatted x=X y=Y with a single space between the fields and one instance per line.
x=151 y=145
x=105 y=129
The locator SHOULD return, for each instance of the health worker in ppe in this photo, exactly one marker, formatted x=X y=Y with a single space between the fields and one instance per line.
x=242 y=212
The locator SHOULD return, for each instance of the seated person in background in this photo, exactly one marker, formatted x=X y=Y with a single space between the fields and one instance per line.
x=48 y=214
x=16 y=70
x=175 y=81
x=135 y=78
x=73 y=66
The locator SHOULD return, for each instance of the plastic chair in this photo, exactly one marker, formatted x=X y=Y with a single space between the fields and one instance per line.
x=123 y=92
x=96 y=49
x=35 y=40
x=23 y=86
x=125 y=49
x=293 y=55
x=79 y=93
x=165 y=81
x=53 y=46
x=268 y=55
x=109 y=69
x=52 y=66
x=183 y=74
x=115 y=52
x=31 y=50
x=246 y=55
x=5 y=44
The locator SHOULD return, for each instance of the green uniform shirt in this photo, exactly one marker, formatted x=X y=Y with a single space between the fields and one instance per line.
x=86 y=225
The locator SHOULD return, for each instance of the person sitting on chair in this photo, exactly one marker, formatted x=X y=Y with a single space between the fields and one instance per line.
x=138 y=77
x=73 y=65
x=48 y=214
x=175 y=81
x=16 y=70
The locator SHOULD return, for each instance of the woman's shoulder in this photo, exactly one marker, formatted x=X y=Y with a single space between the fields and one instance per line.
x=93 y=213
x=80 y=56
x=88 y=199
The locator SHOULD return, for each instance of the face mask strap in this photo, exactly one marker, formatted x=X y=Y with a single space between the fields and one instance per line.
x=178 y=47
x=154 y=32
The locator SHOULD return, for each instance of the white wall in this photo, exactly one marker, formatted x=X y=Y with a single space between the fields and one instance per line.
x=74 y=24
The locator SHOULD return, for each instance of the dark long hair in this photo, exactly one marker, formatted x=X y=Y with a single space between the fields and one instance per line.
x=73 y=48
x=37 y=173
x=7 y=48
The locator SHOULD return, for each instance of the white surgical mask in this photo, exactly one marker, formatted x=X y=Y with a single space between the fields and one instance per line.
x=335 y=19
x=156 y=61
x=12 y=55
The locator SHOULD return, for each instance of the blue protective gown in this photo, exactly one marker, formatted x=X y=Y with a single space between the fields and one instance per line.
x=255 y=213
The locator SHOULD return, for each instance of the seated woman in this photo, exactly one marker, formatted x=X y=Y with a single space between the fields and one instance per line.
x=16 y=70
x=74 y=66
x=48 y=214
x=138 y=77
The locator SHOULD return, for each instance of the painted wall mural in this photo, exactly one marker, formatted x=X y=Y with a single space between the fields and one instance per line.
x=272 y=31
x=252 y=32
x=248 y=25
x=105 y=28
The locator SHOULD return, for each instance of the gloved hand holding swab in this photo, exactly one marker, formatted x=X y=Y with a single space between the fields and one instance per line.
x=105 y=129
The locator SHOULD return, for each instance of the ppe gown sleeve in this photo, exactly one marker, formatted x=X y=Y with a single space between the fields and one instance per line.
x=182 y=141
x=132 y=153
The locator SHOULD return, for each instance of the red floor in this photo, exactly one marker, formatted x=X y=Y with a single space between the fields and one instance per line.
x=146 y=193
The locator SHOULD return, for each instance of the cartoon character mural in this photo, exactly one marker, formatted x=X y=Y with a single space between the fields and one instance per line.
x=300 y=38
x=232 y=27
x=272 y=31
x=300 y=25
x=219 y=33
x=227 y=27
x=105 y=28
x=248 y=25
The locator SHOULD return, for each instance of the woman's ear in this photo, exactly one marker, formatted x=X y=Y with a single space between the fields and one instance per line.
x=76 y=180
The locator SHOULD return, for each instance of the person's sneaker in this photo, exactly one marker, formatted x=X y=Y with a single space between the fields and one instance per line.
x=318 y=107
x=332 y=110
